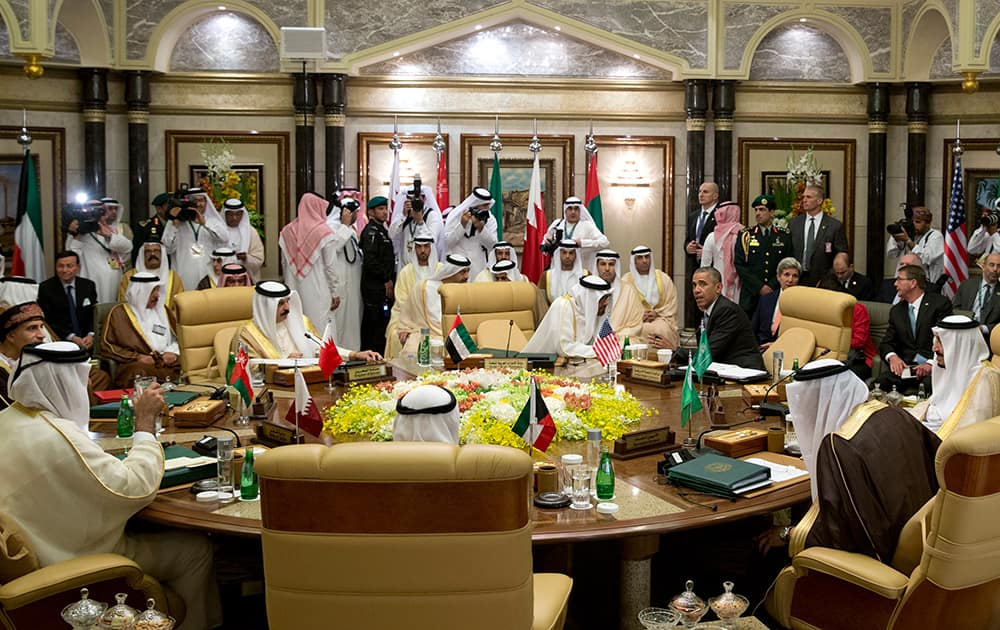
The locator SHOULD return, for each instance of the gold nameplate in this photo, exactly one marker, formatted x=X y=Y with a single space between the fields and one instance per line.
x=639 y=443
x=506 y=363
x=369 y=373
x=653 y=375
x=277 y=435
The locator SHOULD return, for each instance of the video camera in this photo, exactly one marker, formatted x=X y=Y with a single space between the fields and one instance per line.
x=414 y=195
x=184 y=199
x=87 y=215
x=904 y=224
x=991 y=218
x=550 y=248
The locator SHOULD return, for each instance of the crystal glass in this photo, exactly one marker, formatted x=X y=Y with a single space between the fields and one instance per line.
x=581 y=487
x=224 y=459
x=658 y=618
x=152 y=619
x=83 y=614
x=119 y=616
x=728 y=606
x=437 y=353
x=689 y=606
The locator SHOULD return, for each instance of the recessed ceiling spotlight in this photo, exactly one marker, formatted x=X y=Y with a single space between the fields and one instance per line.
x=254 y=132
x=636 y=56
x=803 y=20
x=479 y=27
x=558 y=28
x=221 y=8
x=395 y=53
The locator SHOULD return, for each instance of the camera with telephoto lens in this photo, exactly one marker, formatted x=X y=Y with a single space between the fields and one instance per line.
x=904 y=224
x=550 y=248
x=414 y=195
x=86 y=214
x=481 y=214
x=990 y=219
x=185 y=202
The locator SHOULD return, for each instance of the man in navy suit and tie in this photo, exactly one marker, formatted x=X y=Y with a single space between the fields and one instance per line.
x=816 y=237
x=908 y=341
x=68 y=302
x=729 y=334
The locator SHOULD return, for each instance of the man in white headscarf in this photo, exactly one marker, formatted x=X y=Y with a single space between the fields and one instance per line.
x=471 y=229
x=90 y=495
x=577 y=225
x=966 y=386
x=139 y=334
x=17 y=290
x=424 y=265
x=221 y=256
x=423 y=307
x=502 y=250
x=572 y=323
x=871 y=465
x=242 y=238
x=647 y=308
x=308 y=251
x=606 y=268
x=503 y=271
x=566 y=271
x=153 y=259
x=412 y=217
x=428 y=413
x=104 y=254
x=192 y=233
x=347 y=303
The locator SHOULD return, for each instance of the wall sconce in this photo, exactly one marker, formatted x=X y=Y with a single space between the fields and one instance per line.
x=629 y=205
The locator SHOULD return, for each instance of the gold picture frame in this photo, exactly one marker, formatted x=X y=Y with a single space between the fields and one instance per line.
x=416 y=157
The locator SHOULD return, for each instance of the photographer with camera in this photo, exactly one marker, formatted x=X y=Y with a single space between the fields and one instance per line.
x=577 y=225
x=346 y=304
x=471 y=230
x=194 y=229
x=414 y=212
x=986 y=239
x=913 y=234
x=104 y=252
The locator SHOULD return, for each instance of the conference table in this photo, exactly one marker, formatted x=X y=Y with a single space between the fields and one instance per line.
x=648 y=508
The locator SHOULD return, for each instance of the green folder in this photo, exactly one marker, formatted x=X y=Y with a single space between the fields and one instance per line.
x=180 y=476
x=717 y=474
x=173 y=399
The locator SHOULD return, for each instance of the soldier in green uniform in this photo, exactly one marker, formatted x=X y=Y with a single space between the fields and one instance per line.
x=150 y=229
x=758 y=250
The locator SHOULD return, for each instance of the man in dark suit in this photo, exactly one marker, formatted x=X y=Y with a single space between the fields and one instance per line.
x=68 y=302
x=700 y=224
x=855 y=283
x=909 y=339
x=887 y=290
x=980 y=295
x=816 y=237
x=729 y=334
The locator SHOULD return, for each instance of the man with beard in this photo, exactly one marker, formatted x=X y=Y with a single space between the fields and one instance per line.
x=578 y=226
x=221 y=256
x=139 y=334
x=502 y=250
x=309 y=255
x=242 y=237
x=412 y=274
x=104 y=254
x=415 y=215
x=647 y=309
x=346 y=305
x=234 y=275
x=423 y=308
x=471 y=229
x=378 y=275
x=564 y=274
x=153 y=260
x=190 y=240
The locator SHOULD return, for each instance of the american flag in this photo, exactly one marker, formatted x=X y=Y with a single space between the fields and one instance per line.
x=606 y=346
x=956 y=257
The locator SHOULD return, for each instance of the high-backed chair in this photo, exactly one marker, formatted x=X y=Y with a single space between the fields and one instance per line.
x=995 y=345
x=481 y=301
x=494 y=333
x=424 y=536
x=794 y=343
x=199 y=315
x=32 y=597
x=946 y=569
x=827 y=314
x=878 y=315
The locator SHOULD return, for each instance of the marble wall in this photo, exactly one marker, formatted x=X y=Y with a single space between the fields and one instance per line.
x=742 y=22
x=986 y=12
x=66 y=49
x=226 y=42
x=874 y=24
x=799 y=52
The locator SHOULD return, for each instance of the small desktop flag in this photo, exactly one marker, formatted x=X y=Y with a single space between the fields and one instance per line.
x=459 y=343
x=607 y=347
x=240 y=378
x=703 y=358
x=690 y=403
x=329 y=355
x=303 y=413
x=535 y=424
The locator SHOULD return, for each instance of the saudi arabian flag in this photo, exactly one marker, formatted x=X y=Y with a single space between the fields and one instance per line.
x=459 y=343
x=593 y=195
x=496 y=189
x=28 y=249
x=230 y=367
x=703 y=358
x=690 y=403
x=535 y=424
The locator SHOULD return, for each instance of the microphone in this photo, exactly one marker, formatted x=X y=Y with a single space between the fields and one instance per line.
x=313 y=338
x=510 y=328
x=775 y=408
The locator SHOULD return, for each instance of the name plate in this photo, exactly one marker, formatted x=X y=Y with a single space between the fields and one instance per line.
x=368 y=373
x=652 y=375
x=277 y=435
x=506 y=363
x=639 y=443
x=263 y=403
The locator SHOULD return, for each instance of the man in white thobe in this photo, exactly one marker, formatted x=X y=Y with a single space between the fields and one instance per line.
x=412 y=217
x=647 y=310
x=242 y=237
x=471 y=229
x=153 y=259
x=424 y=265
x=191 y=235
x=502 y=250
x=423 y=308
x=576 y=224
x=104 y=254
x=308 y=250
x=564 y=273
x=347 y=304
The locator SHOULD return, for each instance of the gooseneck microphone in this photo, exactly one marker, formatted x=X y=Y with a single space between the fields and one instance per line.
x=313 y=338
x=510 y=328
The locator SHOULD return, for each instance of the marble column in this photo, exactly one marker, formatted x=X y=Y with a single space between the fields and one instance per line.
x=878 y=125
x=94 y=97
x=137 y=102
x=636 y=578
x=723 y=106
x=917 y=112
x=695 y=105
x=334 y=106
x=304 y=99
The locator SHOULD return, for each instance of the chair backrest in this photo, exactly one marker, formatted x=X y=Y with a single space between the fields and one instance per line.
x=957 y=584
x=794 y=343
x=199 y=315
x=827 y=314
x=222 y=343
x=480 y=301
x=995 y=345
x=397 y=535
x=493 y=333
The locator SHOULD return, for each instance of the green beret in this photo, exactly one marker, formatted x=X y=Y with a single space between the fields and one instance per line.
x=375 y=202
x=764 y=200
x=161 y=199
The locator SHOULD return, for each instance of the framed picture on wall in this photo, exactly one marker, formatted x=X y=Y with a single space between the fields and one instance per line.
x=516 y=178
x=417 y=157
x=770 y=179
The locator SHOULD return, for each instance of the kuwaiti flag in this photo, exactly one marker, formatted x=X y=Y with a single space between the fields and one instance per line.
x=593 y=195
x=329 y=355
x=240 y=378
x=303 y=413
x=535 y=424
x=28 y=249
x=459 y=343
x=533 y=263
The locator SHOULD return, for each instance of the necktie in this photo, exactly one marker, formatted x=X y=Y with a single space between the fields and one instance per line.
x=776 y=320
x=982 y=300
x=913 y=319
x=73 y=317
x=701 y=225
x=810 y=237
x=704 y=322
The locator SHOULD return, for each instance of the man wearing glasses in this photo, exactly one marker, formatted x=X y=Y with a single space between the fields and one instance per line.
x=907 y=345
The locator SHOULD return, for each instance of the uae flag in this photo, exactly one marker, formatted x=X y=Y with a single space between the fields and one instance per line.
x=303 y=413
x=459 y=343
x=28 y=259
x=240 y=378
x=496 y=190
x=535 y=425
x=534 y=262
x=441 y=187
x=593 y=195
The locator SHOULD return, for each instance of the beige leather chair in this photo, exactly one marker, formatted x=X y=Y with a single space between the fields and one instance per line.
x=946 y=569
x=995 y=345
x=794 y=343
x=382 y=536
x=32 y=597
x=481 y=301
x=493 y=333
x=826 y=314
x=199 y=315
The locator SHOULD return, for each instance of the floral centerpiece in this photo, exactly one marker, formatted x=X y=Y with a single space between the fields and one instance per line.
x=788 y=196
x=489 y=402
x=223 y=182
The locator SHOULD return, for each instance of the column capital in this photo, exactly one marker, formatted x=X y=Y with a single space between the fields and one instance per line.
x=696 y=97
x=304 y=94
x=878 y=101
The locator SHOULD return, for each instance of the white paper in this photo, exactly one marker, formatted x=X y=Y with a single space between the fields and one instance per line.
x=779 y=472
x=187 y=462
x=287 y=363
x=735 y=372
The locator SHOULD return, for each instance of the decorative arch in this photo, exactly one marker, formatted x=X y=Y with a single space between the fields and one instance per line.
x=10 y=23
x=836 y=27
x=86 y=22
x=992 y=31
x=166 y=34
x=931 y=28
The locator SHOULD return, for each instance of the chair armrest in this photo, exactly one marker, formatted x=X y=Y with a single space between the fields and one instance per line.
x=71 y=574
x=856 y=568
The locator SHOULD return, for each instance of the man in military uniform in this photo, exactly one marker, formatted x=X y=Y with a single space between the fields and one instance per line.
x=150 y=229
x=758 y=250
x=378 y=274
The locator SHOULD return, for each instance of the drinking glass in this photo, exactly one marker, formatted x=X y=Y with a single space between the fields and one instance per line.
x=224 y=458
x=139 y=385
x=256 y=375
x=437 y=353
x=581 y=488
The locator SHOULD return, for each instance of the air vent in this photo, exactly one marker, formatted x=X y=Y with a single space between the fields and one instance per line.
x=303 y=43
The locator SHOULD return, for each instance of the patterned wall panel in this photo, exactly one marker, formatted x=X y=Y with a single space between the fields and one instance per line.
x=225 y=42
x=799 y=53
x=742 y=21
x=874 y=24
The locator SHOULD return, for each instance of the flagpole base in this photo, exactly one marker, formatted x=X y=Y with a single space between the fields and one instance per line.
x=690 y=442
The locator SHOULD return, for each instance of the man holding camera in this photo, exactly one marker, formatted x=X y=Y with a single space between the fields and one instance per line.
x=576 y=225
x=471 y=230
x=926 y=242
x=415 y=213
x=104 y=252
x=346 y=306
x=194 y=229
x=986 y=239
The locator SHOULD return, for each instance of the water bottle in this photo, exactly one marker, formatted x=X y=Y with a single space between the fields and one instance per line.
x=248 y=478
x=424 y=349
x=795 y=369
x=626 y=350
x=605 y=476
x=921 y=392
x=777 y=365
x=126 y=419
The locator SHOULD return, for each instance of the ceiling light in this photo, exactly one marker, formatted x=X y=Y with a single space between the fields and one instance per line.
x=558 y=28
x=395 y=54
x=479 y=27
x=221 y=8
x=636 y=56
x=803 y=20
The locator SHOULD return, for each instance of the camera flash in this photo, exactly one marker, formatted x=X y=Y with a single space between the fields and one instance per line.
x=81 y=197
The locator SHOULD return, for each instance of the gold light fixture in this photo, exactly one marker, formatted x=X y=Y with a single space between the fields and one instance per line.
x=970 y=84
x=32 y=68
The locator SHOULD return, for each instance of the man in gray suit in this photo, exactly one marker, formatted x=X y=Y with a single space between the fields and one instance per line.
x=816 y=237
x=980 y=295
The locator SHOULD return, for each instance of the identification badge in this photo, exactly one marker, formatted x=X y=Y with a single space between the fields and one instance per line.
x=197 y=250
x=159 y=329
x=114 y=262
x=828 y=247
x=754 y=243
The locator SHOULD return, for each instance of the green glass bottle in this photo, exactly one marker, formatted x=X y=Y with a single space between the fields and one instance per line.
x=605 y=476
x=248 y=478
x=126 y=419
x=424 y=349
x=795 y=369
x=626 y=351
